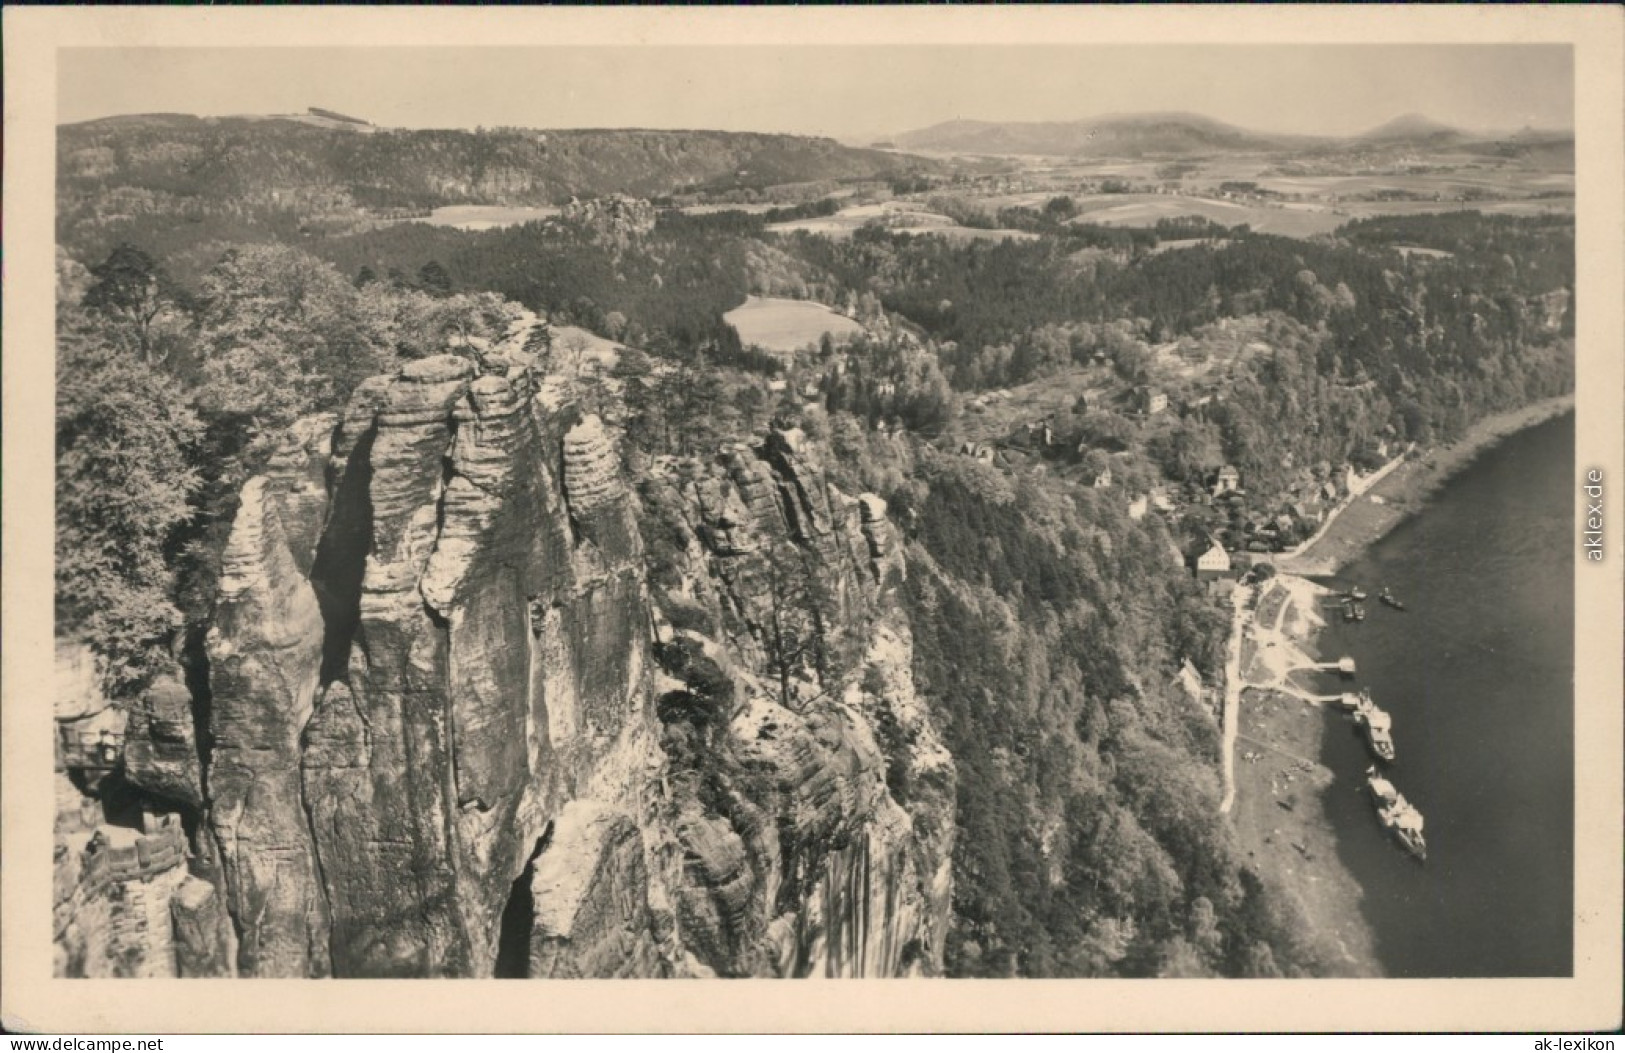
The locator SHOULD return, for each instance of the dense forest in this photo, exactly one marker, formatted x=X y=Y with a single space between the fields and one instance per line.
x=1049 y=625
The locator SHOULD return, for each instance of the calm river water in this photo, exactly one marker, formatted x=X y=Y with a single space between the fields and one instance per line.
x=1478 y=675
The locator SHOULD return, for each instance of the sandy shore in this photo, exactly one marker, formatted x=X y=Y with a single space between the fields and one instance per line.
x=1277 y=812
x=1404 y=491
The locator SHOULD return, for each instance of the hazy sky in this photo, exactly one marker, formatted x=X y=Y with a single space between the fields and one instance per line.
x=845 y=91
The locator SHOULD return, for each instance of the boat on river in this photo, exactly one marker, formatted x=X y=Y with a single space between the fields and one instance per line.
x=1399 y=817
x=1379 y=731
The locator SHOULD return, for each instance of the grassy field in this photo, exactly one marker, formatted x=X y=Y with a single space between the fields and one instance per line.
x=906 y=217
x=486 y=217
x=1144 y=210
x=711 y=210
x=783 y=326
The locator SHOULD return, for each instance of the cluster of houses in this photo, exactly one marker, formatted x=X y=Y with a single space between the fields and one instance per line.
x=1310 y=499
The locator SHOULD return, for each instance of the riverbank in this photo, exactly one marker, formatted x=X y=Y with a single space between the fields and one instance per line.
x=1405 y=489
x=1278 y=783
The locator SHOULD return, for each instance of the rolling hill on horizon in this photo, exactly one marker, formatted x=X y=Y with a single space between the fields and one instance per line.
x=277 y=157
x=229 y=177
x=1179 y=134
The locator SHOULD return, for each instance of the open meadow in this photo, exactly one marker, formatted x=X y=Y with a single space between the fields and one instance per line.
x=785 y=326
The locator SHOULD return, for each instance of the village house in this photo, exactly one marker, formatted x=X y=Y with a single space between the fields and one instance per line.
x=1214 y=563
x=1138 y=507
x=1102 y=479
x=1227 y=481
x=1092 y=399
x=1041 y=433
x=1152 y=401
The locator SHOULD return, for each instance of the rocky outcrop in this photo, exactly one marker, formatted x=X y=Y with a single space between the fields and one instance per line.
x=459 y=721
x=592 y=917
x=160 y=744
x=265 y=654
x=118 y=859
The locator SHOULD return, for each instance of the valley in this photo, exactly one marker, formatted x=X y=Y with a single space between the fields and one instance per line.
x=568 y=553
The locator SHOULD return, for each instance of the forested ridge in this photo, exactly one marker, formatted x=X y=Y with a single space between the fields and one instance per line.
x=178 y=180
x=1049 y=625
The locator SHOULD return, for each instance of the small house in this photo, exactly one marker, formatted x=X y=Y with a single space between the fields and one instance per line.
x=977 y=451
x=1227 y=481
x=1152 y=401
x=1189 y=679
x=1308 y=511
x=1214 y=563
x=1102 y=479
x=1138 y=507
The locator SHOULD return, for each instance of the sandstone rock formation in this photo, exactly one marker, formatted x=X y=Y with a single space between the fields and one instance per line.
x=460 y=719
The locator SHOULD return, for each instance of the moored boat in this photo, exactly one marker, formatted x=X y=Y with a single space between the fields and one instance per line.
x=1391 y=600
x=1398 y=816
x=1379 y=732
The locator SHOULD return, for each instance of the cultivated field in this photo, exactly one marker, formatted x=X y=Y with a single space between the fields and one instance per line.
x=784 y=326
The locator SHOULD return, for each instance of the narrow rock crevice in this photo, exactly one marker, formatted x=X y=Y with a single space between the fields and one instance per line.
x=194 y=663
x=341 y=560
x=519 y=917
x=321 y=873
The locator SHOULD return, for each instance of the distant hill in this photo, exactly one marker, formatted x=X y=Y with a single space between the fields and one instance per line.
x=1191 y=135
x=314 y=164
x=1413 y=127
x=1130 y=135
x=333 y=115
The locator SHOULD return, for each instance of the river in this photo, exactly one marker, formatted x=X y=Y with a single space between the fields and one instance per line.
x=1478 y=676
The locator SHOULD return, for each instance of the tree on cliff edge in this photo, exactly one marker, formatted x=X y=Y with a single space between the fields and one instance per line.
x=123 y=484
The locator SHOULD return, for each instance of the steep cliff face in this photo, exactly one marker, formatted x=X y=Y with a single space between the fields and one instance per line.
x=459 y=720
